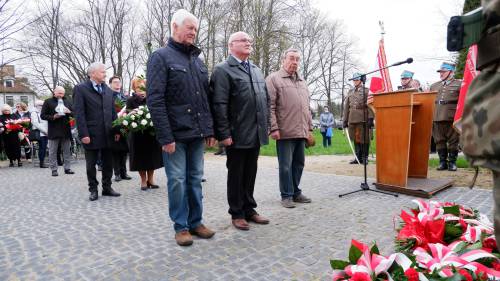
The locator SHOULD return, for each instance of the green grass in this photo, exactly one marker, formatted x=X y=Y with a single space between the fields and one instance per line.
x=339 y=146
x=461 y=162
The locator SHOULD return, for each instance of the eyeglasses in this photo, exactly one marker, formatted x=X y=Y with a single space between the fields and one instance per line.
x=246 y=40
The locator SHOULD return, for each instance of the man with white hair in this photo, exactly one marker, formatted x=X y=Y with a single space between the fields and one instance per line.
x=43 y=128
x=95 y=112
x=177 y=87
x=240 y=104
x=57 y=111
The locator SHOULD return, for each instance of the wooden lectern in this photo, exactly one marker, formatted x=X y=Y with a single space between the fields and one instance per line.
x=403 y=136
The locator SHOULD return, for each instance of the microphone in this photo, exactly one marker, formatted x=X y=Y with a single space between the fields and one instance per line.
x=408 y=60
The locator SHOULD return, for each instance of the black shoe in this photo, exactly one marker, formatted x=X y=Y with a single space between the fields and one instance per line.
x=452 y=166
x=144 y=188
x=43 y=165
x=54 y=173
x=19 y=163
x=203 y=180
x=110 y=192
x=93 y=195
x=11 y=164
x=354 y=162
x=118 y=178
x=152 y=186
x=69 y=172
x=443 y=165
x=443 y=160
x=126 y=177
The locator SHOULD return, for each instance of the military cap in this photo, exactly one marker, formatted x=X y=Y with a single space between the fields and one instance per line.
x=447 y=66
x=407 y=74
x=356 y=76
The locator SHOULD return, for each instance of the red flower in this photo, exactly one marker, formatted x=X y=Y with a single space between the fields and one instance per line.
x=496 y=265
x=360 y=276
x=411 y=274
x=490 y=243
x=483 y=276
x=465 y=274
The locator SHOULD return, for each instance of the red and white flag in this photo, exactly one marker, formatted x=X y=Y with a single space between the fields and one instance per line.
x=470 y=73
x=381 y=83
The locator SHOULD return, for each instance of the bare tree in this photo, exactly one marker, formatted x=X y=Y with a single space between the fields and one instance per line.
x=12 y=20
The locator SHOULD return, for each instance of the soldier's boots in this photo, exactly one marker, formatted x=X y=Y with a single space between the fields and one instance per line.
x=443 y=163
x=357 y=150
x=452 y=157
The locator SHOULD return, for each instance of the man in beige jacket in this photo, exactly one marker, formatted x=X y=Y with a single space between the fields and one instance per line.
x=291 y=124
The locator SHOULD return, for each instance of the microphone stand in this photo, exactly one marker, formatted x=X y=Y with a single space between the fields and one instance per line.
x=366 y=143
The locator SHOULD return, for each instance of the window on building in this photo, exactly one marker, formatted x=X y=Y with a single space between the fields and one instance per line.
x=24 y=99
x=9 y=100
x=9 y=83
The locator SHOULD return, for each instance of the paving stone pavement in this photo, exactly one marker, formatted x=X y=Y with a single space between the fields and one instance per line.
x=50 y=231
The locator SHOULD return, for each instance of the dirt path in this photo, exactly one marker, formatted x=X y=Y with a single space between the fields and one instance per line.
x=339 y=165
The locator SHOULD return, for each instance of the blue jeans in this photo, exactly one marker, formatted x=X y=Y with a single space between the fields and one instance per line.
x=42 y=148
x=291 y=164
x=184 y=169
x=327 y=141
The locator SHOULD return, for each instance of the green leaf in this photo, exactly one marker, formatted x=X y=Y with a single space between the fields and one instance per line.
x=374 y=249
x=354 y=254
x=338 y=264
x=452 y=232
x=453 y=210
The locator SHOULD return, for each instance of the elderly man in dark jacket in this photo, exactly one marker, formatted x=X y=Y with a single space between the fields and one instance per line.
x=57 y=111
x=240 y=104
x=95 y=112
x=177 y=87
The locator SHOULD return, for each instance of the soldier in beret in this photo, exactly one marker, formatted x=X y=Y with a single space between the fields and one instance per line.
x=444 y=134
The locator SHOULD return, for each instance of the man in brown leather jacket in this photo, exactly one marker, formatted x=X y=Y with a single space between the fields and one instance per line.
x=444 y=134
x=354 y=119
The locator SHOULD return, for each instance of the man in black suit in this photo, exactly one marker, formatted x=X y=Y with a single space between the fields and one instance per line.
x=95 y=112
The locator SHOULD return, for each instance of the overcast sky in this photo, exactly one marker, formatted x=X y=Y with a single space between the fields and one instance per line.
x=415 y=28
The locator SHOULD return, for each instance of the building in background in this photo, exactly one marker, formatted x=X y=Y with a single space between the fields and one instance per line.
x=15 y=89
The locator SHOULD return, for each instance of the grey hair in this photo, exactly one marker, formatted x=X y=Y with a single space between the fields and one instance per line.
x=232 y=36
x=179 y=17
x=6 y=107
x=94 y=66
x=290 y=50
x=61 y=88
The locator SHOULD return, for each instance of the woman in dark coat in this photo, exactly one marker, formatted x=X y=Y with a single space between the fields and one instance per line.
x=22 y=112
x=11 y=142
x=145 y=151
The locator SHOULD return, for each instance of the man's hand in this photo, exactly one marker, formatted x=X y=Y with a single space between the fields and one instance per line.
x=275 y=135
x=117 y=137
x=169 y=148
x=227 y=142
x=86 y=140
x=210 y=142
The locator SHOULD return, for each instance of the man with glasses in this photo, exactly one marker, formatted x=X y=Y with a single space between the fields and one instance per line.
x=240 y=106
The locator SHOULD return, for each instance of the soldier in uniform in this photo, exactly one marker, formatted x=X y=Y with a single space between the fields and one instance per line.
x=444 y=134
x=354 y=119
x=407 y=81
x=480 y=129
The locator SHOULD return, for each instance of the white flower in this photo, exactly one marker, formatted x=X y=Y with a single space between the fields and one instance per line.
x=151 y=123
x=144 y=122
x=125 y=122
x=140 y=112
x=132 y=117
x=134 y=125
x=148 y=116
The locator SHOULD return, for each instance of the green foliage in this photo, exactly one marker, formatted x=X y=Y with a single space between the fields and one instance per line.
x=338 y=264
x=453 y=210
x=452 y=233
x=461 y=162
x=354 y=254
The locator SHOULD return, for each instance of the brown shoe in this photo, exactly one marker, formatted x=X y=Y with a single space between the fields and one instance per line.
x=202 y=232
x=241 y=224
x=183 y=238
x=258 y=219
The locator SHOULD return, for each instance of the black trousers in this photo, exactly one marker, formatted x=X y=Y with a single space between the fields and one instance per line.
x=119 y=163
x=241 y=171
x=91 y=157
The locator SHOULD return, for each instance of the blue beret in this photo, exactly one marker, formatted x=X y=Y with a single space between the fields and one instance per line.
x=447 y=66
x=356 y=76
x=407 y=74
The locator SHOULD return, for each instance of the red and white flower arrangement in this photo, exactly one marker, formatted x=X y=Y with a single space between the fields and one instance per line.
x=435 y=241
